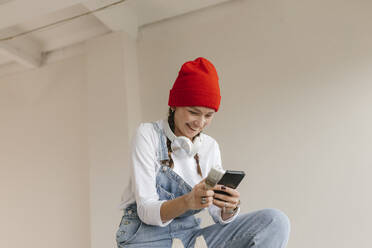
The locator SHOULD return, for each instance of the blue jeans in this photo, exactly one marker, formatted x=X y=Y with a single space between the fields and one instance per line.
x=268 y=228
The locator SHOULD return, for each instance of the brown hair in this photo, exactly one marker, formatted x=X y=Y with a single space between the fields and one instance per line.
x=169 y=162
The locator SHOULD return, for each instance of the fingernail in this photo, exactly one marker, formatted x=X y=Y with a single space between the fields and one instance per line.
x=223 y=187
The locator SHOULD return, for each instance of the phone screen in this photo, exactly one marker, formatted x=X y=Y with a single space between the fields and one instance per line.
x=230 y=179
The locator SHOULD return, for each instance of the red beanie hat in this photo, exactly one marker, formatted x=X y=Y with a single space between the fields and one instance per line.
x=196 y=85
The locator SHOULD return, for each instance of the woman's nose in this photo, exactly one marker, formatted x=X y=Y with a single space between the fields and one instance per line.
x=200 y=122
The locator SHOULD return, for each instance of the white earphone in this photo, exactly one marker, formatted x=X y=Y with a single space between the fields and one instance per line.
x=182 y=143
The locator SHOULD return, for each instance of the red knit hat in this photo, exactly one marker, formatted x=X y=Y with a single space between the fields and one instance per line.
x=196 y=85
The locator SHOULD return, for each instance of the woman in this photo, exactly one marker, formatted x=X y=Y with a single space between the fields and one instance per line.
x=170 y=158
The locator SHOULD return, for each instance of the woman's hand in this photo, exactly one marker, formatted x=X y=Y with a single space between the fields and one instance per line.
x=199 y=197
x=228 y=203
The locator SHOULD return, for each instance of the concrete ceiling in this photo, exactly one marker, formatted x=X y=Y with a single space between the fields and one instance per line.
x=28 y=50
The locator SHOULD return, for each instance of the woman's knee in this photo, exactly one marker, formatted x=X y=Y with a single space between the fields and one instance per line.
x=278 y=222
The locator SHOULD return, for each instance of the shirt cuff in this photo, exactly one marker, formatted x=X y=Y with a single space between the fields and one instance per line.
x=161 y=223
x=233 y=217
x=150 y=214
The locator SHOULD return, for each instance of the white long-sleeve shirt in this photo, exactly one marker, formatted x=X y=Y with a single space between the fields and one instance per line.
x=145 y=165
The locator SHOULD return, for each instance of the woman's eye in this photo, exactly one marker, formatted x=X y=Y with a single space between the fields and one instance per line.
x=193 y=113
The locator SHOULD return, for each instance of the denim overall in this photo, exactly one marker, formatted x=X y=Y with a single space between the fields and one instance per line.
x=169 y=185
x=268 y=228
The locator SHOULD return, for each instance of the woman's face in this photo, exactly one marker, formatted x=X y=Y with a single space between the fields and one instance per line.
x=189 y=121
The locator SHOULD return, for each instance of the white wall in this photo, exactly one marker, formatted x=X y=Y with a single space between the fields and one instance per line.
x=44 y=184
x=64 y=146
x=296 y=105
x=113 y=110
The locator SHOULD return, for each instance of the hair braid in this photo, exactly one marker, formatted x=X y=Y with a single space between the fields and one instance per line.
x=170 y=162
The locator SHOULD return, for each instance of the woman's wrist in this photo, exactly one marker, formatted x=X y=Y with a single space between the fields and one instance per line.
x=227 y=215
x=186 y=201
x=173 y=208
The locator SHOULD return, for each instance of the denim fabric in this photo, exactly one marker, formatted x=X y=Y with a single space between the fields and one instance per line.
x=134 y=233
x=267 y=228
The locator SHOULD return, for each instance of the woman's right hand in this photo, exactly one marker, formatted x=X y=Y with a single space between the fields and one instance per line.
x=199 y=197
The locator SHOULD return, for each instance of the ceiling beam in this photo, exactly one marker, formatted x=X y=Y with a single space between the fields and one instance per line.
x=23 y=50
x=120 y=17
x=19 y=11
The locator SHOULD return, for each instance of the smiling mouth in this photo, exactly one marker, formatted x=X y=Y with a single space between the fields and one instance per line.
x=191 y=127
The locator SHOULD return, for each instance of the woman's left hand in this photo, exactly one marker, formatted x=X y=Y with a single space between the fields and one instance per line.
x=227 y=203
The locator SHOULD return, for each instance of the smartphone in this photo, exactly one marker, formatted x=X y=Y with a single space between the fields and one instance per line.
x=230 y=179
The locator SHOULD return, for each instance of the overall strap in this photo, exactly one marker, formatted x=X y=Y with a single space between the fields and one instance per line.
x=163 y=150
x=180 y=187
